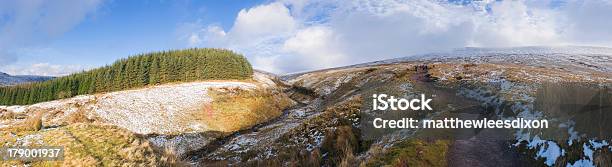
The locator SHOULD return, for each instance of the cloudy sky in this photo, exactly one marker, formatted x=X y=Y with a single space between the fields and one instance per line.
x=60 y=37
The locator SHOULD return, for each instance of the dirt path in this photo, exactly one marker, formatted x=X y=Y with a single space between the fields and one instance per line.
x=472 y=147
x=483 y=147
x=481 y=152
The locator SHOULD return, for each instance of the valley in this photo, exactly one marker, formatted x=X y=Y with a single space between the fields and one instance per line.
x=318 y=118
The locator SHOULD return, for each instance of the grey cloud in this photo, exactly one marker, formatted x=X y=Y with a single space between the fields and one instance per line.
x=589 y=21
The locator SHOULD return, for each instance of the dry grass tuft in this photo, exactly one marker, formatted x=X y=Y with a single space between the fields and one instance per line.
x=348 y=159
x=169 y=158
x=341 y=144
x=78 y=117
x=32 y=123
x=4 y=115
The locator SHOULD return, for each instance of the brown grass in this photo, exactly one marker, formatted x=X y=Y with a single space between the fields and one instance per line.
x=78 y=117
x=290 y=156
x=513 y=72
x=348 y=159
x=236 y=109
x=32 y=123
x=340 y=144
x=4 y=115
x=169 y=158
x=100 y=145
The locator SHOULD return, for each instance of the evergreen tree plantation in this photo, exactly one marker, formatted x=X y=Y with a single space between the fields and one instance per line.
x=134 y=72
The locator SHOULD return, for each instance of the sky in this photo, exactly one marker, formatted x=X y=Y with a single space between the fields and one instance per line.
x=60 y=37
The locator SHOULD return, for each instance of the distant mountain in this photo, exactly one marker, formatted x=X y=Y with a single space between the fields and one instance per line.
x=7 y=80
x=594 y=58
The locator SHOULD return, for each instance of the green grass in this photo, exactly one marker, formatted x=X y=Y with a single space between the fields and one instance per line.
x=413 y=152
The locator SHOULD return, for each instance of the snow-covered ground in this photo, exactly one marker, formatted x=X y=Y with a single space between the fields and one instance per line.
x=163 y=109
x=167 y=114
x=593 y=58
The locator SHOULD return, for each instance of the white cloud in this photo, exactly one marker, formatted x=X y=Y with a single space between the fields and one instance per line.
x=267 y=63
x=513 y=23
x=386 y=29
x=32 y=22
x=43 y=69
x=312 y=43
x=259 y=32
x=261 y=21
x=296 y=35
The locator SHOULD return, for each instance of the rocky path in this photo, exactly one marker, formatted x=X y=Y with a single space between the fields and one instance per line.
x=472 y=147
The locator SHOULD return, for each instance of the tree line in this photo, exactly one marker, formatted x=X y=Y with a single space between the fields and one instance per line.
x=133 y=72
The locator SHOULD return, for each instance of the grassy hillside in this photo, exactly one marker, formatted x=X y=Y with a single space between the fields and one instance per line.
x=133 y=72
x=152 y=126
x=92 y=145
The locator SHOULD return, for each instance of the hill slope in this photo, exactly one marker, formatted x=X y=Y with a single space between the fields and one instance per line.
x=177 y=117
x=325 y=129
x=249 y=123
x=8 y=80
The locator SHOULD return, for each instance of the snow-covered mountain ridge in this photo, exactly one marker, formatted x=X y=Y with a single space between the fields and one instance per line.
x=533 y=50
x=6 y=79
x=569 y=57
x=583 y=57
